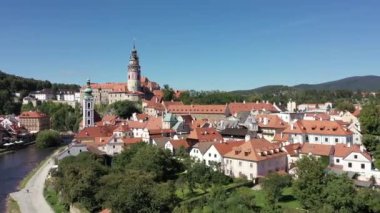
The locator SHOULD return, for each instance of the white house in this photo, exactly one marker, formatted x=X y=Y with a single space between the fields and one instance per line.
x=214 y=155
x=318 y=132
x=255 y=158
x=73 y=149
x=199 y=149
x=352 y=158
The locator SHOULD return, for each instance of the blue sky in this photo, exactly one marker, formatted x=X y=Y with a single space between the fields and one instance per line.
x=197 y=44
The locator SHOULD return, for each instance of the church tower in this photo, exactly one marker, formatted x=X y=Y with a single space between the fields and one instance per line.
x=88 y=106
x=134 y=76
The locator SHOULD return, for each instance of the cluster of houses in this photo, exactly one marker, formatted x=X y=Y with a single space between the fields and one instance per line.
x=241 y=139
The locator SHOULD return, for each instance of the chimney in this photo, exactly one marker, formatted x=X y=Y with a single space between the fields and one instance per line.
x=282 y=135
x=247 y=138
x=244 y=102
x=292 y=126
x=348 y=144
x=362 y=148
x=265 y=121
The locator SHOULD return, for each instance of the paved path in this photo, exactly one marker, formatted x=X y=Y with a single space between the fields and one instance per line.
x=34 y=201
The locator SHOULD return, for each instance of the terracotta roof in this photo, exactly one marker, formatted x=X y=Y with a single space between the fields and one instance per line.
x=244 y=107
x=205 y=134
x=342 y=150
x=136 y=124
x=142 y=116
x=179 y=143
x=292 y=149
x=128 y=141
x=319 y=116
x=122 y=128
x=317 y=149
x=100 y=141
x=160 y=131
x=115 y=87
x=198 y=123
x=256 y=150
x=197 y=109
x=154 y=105
x=154 y=123
x=270 y=121
x=110 y=119
x=225 y=147
x=96 y=131
x=317 y=127
x=32 y=114
x=278 y=137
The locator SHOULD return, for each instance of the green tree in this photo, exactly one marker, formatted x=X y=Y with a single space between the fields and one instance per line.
x=345 y=106
x=124 y=109
x=273 y=186
x=168 y=93
x=370 y=119
x=310 y=181
x=48 y=138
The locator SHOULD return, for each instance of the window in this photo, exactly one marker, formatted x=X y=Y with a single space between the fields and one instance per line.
x=363 y=166
x=113 y=146
x=349 y=165
x=209 y=154
x=239 y=163
x=356 y=156
x=326 y=140
x=89 y=105
x=316 y=138
x=80 y=150
x=214 y=155
x=251 y=165
x=336 y=140
x=337 y=160
x=88 y=113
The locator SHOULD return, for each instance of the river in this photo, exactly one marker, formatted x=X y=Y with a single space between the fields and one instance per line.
x=15 y=166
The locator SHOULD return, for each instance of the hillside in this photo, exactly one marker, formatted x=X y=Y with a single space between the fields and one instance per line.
x=364 y=83
x=367 y=83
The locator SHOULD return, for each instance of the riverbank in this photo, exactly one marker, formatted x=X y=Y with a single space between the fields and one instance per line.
x=12 y=206
x=30 y=197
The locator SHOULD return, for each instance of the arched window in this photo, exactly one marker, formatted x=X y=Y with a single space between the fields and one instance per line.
x=88 y=105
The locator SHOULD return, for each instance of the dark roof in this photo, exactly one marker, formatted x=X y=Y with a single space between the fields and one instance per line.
x=161 y=141
x=240 y=132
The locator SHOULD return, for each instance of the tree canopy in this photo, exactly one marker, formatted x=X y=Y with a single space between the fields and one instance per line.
x=48 y=138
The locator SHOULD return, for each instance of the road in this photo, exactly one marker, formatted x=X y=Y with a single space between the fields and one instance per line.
x=34 y=201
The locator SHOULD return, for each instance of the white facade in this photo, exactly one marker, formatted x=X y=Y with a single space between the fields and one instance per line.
x=196 y=154
x=88 y=112
x=113 y=147
x=354 y=162
x=320 y=139
x=72 y=150
x=253 y=169
x=212 y=155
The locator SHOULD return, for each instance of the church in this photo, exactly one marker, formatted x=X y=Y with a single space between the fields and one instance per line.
x=137 y=87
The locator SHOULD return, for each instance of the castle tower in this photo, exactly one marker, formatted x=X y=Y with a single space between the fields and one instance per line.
x=88 y=106
x=134 y=76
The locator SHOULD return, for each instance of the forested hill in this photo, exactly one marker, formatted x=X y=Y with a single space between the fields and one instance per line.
x=15 y=83
x=363 y=83
x=10 y=84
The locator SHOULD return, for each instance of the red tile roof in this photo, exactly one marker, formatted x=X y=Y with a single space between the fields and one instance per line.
x=292 y=149
x=122 y=128
x=198 y=109
x=245 y=107
x=317 y=149
x=32 y=114
x=179 y=143
x=256 y=150
x=281 y=137
x=317 y=127
x=342 y=150
x=273 y=121
x=96 y=131
x=205 y=134
x=225 y=147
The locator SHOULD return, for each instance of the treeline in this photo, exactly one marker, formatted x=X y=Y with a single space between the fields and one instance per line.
x=143 y=178
x=11 y=84
x=62 y=116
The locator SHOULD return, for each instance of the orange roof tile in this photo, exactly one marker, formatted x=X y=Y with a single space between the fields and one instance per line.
x=317 y=149
x=96 y=131
x=342 y=150
x=317 y=127
x=197 y=109
x=273 y=121
x=256 y=150
x=205 y=134
x=179 y=143
x=32 y=114
x=225 y=147
x=281 y=137
x=245 y=107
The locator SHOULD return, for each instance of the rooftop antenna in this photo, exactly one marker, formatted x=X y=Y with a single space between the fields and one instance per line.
x=134 y=43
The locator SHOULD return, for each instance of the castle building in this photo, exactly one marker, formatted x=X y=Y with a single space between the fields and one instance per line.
x=133 y=90
x=88 y=106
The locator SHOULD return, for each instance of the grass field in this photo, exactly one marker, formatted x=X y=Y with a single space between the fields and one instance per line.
x=51 y=197
x=287 y=201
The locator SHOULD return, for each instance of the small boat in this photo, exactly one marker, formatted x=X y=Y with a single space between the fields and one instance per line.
x=8 y=144
x=19 y=142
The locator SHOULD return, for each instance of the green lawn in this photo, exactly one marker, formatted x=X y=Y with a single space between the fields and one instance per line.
x=288 y=201
x=52 y=198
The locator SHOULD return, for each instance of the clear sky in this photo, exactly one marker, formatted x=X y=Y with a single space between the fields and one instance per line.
x=191 y=44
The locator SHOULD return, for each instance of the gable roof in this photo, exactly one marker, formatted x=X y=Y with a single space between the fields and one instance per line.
x=179 y=143
x=342 y=150
x=245 y=107
x=317 y=127
x=32 y=114
x=96 y=131
x=317 y=149
x=270 y=121
x=225 y=147
x=205 y=134
x=204 y=146
x=198 y=109
x=256 y=150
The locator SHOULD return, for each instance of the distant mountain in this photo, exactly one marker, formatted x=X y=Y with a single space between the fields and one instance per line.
x=364 y=83
x=367 y=83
